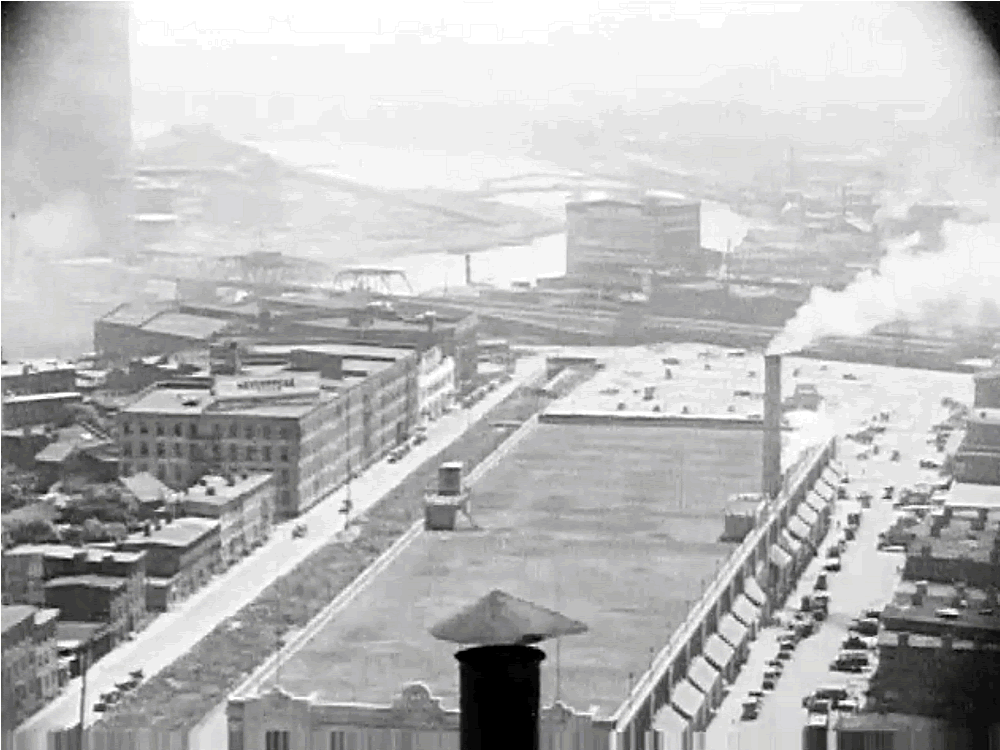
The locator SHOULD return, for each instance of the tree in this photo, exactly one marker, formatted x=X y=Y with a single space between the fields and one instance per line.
x=35 y=531
x=94 y=531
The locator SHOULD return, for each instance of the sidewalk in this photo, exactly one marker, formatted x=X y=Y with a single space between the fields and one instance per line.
x=175 y=632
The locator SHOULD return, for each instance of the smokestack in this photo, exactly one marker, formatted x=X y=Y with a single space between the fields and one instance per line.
x=500 y=695
x=500 y=677
x=771 y=468
x=468 y=269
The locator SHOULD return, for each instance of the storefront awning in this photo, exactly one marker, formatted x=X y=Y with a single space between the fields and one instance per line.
x=703 y=675
x=754 y=592
x=718 y=652
x=808 y=514
x=733 y=631
x=799 y=529
x=671 y=724
x=687 y=699
x=745 y=610
x=817 y=502
x=789 y=543
x=779 y=557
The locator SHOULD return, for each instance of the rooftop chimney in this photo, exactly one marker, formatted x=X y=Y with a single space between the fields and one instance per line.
x=500 y=679
x=771 y=469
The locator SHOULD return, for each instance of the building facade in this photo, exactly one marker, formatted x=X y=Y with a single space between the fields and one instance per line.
x=92 y=598
x=38 y=409
x=617 y=241
x=311 y=435
x=27 y=568
x=32 y=378
x=243 y=506
x=30 y=661
x=181 y=555
x=415 y=720
x=436 y=384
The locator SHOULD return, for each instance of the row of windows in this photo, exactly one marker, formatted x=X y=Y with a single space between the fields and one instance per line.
x=160 y=429
x=179 y=471
x=251 y=452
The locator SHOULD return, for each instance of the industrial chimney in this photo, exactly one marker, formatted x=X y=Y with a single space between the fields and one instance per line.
x=500 y=676
x=771 y=468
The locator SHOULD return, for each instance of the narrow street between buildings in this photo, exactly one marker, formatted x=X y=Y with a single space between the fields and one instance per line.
x=867 y=580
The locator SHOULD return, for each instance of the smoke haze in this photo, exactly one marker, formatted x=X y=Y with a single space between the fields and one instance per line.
x=959 y=285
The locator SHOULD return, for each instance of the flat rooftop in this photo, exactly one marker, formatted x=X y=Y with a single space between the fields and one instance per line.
x=355 y=351
x=613 y=526
x=957 y=539
x=67 y=552
x=34 y=366
x=180 y=532
x=223 y=492
x=193 y=401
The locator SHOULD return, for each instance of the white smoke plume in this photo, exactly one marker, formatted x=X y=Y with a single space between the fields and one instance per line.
x=959 y=285
x=64 y=228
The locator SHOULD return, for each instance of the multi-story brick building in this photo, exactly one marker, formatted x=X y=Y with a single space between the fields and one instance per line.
x=310 y=428
x=244 y=507
x=987 y=384
x=436 y=384
x=616 y=241
x=977 y=458
x=181 y=556
x=92 y=598
x=27 y=568
x=32 y=378
x=30 y=661
x=956 y=545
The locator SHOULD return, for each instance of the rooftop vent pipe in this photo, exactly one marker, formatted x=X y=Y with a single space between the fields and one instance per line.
x=771 y=468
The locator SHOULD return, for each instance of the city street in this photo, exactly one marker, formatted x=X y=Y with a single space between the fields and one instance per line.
x=175 y=632
x=867 y=579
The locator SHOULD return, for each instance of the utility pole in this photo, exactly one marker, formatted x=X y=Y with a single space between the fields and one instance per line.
x=82 y=657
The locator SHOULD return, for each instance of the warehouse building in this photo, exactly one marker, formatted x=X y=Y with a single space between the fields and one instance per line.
x=621 y=240
x=244 y=507
x=314 y=416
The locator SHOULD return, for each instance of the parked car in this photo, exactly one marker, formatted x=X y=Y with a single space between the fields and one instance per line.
x=850 y=661
x=832 y=565
x=872 y=613
x=100 y=707
x=751 y=710
x=864 y=626
x=776 y=664
x=821 y=583
x=854 y=642
x=929 y=463
x=888 y=491
x=832 y=694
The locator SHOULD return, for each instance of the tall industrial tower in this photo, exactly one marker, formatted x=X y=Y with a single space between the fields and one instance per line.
x=67 y=117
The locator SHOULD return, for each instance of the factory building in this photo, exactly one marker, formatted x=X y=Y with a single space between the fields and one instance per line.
x=314 y=416
x=620 y=241
x=244 y=507
x=137 y=329
x=977 y=458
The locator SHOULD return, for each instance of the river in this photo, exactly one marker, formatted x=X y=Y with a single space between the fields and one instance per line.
x=400 y=169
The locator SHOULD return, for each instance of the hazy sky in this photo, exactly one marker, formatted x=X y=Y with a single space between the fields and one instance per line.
x=921 y=48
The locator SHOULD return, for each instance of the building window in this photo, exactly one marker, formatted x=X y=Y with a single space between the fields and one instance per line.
x=277 y=739
x=284 y=454
x=161 y=472
x=178 y=473
x=233 y=430
x=267 y=453
x=233 y=455
x=248 y=432
x=143 y=448
x=178 y=450
x=251 y=454
x=126 y=449
x=193 y=431
x=265 y=431
x=161 y=450
x=343 y=741
x=159 y=429
x=179 y=430
x=217 y=430
x=217 y=452
x=284 y=476
x=126 y=428
x=143 y=428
